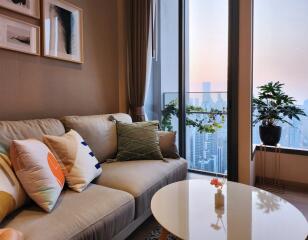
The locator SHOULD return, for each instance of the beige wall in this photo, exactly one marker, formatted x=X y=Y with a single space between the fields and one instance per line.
x=245 y=167
x=38 y=87
x=123 y=31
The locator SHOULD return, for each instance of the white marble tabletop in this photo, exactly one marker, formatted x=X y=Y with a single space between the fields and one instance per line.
x=187 y=210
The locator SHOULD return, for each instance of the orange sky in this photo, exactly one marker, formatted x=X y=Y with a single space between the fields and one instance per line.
x=280 y=44
x=208 y=44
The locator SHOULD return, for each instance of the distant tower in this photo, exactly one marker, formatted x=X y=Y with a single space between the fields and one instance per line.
x=206 y=86
x=220 y=165
x=306 y=106
x=207 y=101
x=221 y=103
x=304 y=123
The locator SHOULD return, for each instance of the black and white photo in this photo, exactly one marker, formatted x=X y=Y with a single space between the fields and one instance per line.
x=19 y=36
x=27 y=7
x=62 y=31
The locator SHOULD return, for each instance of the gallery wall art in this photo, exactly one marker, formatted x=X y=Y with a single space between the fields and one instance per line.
x=19 y=36
x=63 y=31
x=27 y=7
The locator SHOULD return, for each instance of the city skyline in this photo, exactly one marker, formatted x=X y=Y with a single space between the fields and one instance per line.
x=279 y=31
x=208 y=151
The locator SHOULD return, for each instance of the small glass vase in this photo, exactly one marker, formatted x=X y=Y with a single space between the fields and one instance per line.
x=219 y=199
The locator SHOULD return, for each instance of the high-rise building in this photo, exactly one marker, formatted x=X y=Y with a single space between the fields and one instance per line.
x=294 y=135
x=207 y=151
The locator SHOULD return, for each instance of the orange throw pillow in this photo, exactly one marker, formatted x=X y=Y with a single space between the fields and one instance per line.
x=38 y=171
x=10 y=234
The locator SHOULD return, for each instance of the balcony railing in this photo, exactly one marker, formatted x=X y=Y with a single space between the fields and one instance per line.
x=208 y=151
x=205 y=150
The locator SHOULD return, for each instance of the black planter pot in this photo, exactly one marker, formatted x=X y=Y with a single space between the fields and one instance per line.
x=270 y=135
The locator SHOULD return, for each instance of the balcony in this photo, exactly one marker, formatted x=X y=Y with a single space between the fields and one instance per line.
x=206 y=150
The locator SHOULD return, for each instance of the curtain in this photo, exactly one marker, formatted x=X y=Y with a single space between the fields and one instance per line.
x=138 y=64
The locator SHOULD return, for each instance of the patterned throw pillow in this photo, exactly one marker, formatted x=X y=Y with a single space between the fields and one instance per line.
x=138 y=141
x=78 y=161
x=167 y=144
x=38 y=171
x=12 y=195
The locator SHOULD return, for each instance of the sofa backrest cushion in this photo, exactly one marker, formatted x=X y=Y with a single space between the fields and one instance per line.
x=20 y=130
x=98 y=131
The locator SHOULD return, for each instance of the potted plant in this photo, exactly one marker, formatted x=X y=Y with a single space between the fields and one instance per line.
x=271 y=107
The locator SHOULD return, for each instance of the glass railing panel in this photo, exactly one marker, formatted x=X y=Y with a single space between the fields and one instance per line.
x=206 y=128
x=292 y=136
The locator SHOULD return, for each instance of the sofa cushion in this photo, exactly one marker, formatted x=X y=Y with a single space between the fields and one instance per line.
x=80 y=166
x=96 y=213
x=12 y=195
x=38 y=171
x=20 y=130
x=167 y=144
x=138 y=141
x=142 y=178
x=98 y=131
x=10 y=234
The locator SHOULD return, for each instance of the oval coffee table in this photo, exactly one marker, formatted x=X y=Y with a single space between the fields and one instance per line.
x=187 y=210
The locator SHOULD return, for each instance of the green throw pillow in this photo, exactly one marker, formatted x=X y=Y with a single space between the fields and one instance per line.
x=138 y=141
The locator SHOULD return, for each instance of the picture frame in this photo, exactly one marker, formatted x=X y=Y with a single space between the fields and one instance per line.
x=26 y=7
x=62 y=31
x=20 y=36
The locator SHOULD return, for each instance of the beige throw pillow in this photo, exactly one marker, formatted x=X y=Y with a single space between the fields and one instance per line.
x=38 y=171
x=167 y=144
x=79 y=164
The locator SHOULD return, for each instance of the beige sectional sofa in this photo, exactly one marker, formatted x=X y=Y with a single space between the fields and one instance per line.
x=114 y=205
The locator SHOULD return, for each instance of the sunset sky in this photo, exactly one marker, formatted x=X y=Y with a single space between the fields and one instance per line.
x=208 y=44
x=280 y=44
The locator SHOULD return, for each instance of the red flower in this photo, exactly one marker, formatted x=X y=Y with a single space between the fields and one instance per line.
x=216 y=182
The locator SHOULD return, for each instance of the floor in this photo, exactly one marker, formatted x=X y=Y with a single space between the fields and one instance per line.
x=298 y=199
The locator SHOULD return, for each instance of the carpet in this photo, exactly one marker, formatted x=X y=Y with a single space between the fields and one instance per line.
x=155 y=234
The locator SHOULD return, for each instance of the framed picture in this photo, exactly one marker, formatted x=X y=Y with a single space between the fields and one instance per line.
x=63 y=31
x=27 y=7
x=19 y=36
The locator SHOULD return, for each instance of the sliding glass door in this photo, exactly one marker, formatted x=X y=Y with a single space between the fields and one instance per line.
x=189 y=90
x=206 y=57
